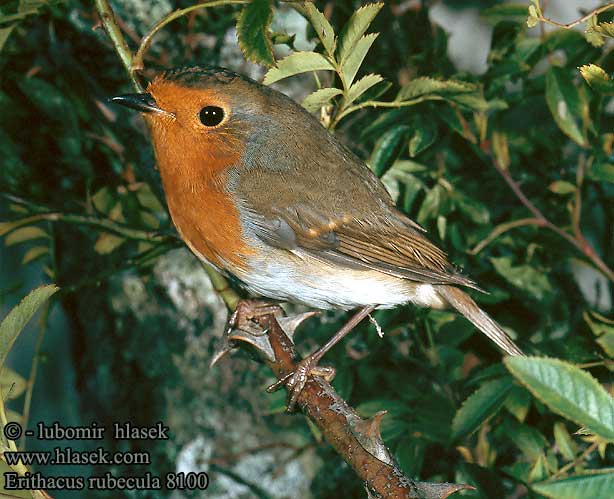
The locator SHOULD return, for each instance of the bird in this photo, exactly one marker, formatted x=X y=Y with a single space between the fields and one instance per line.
x=258 y=188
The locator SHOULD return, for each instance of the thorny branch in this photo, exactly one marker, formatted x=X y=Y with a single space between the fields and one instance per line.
x=356 y=440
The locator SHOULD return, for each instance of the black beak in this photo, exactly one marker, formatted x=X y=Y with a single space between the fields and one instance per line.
x=144 y=103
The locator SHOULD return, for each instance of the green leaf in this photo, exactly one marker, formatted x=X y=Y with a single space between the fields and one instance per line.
x=459 y=92
x=590 y=485
x=355 y=28
x=296 y=63
x=562 y=187
x=15 y=321
x=253 y=32
x=425 y=86
x=313 y=102
x=388 y=148
x=107 y=243
x=563 y=101
x=602 y=172
x=524 y=277
x=592 y=36
x=425 y=133
x=322 y=27
x=34 y=254
x=509 y=12
x=518 y=402
x=481 y=405
x=533 y=18
x=604 y=332
x=567 y=391
x=352 y=63
x=430 y=205
x=25 y=234
x=361 y=86
x=566 y=445
x=12 y=384
x=597 y=78
x=605 y=29
x=4 y=34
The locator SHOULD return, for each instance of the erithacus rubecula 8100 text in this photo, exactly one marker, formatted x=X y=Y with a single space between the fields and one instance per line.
x=257 y=187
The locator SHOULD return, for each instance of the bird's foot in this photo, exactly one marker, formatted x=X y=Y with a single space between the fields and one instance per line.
x=297 y=379
x=245 y=318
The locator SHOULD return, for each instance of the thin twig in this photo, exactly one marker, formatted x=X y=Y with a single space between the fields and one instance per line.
x=582 y=245
x=107 y=18
x=502 y=229
x=576 y=461
x=582 y=19
x=137 y=62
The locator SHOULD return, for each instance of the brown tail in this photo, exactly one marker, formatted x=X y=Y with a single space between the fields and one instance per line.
x=462 y=302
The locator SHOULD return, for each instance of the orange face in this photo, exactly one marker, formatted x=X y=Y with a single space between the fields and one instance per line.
x=197 y=140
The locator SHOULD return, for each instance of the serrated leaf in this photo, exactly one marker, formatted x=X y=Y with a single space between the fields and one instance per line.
x=25 y=234
x=15 y=321
x=387 y=149
x=518 y=402
x=12 y=384
x=352 y=62
x=568 y=391
x=481 y=405
x=604 y=333
x=355 y=28
x=562 y=187
x=425 y=85
x=597 y=78
x=592 y=37
x=322 y=27
x=313 y=102
x=296 y=63
x=107 y=243
x=564 y=442
x=524 y=277
x=563 y=101
x=361 y=86
x=460 y=92
x=34 y=254
x=253 y=32
x=605 y=29
x=590 y=485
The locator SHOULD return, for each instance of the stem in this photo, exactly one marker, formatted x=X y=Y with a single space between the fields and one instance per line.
x=576 y=461
x=502 y=229
x=374 y=103
x=33 y=370
x=582 y=245
x=582 y=19
x=99 y=223
x=137 y=62
x=107 y=17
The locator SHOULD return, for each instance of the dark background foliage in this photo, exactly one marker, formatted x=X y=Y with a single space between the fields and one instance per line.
x=138 y=327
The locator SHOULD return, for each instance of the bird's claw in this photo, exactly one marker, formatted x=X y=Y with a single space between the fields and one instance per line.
x=296 y=380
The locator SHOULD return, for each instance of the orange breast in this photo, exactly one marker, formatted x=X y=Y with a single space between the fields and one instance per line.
x=194 y=175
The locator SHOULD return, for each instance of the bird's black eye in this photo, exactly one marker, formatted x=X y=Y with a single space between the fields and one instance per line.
x=211 y=115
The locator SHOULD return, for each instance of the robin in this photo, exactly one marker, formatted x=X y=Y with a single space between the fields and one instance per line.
x=257 y=187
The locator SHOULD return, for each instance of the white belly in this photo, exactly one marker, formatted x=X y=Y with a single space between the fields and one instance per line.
x=301 y=278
